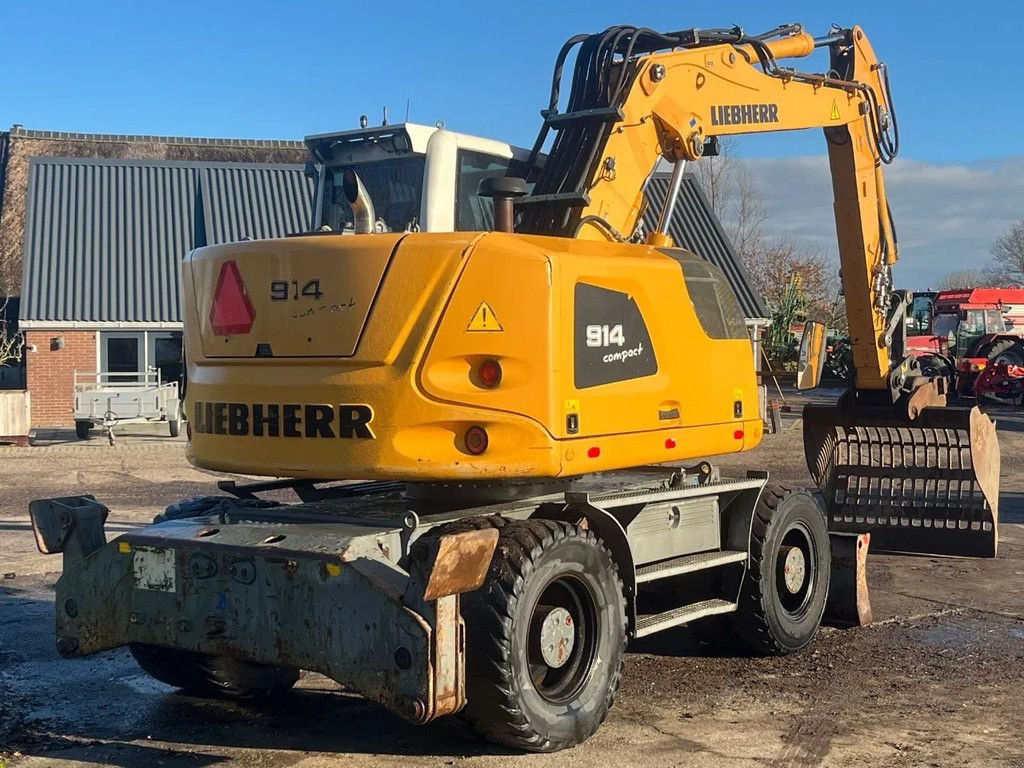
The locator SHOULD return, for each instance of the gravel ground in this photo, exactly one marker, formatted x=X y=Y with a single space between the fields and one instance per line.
x=936 y=681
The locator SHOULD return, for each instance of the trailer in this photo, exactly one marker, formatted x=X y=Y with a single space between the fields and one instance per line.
x=110 y=398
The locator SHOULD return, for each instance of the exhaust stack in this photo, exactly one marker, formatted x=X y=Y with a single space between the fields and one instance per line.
x=365 y=217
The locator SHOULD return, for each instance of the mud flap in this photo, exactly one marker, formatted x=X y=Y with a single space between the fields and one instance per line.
x=930 y=486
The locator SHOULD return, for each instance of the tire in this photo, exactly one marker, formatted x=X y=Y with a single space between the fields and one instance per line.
x=174 y=427
x=82 y=429
x=517 y=694
x=772 y=618
x=213 y=676
x=1008 y=351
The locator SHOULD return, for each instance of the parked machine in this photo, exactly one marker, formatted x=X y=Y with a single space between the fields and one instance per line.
x=505 y=396
x=958 y=333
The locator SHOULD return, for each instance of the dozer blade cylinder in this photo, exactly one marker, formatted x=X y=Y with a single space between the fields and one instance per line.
x=927 y=486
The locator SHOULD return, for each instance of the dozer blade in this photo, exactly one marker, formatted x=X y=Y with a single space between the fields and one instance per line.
x=930 y=486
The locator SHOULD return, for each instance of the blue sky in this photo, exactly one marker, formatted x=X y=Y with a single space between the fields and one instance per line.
x=285 y=69
x=262 y=69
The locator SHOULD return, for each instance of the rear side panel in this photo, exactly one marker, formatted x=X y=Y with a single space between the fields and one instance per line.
x=310 y=298
x=611 y=356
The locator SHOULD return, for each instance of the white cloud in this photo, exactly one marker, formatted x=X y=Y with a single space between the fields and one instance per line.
x=946 y=215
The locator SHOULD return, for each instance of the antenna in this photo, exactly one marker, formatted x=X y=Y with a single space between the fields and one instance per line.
x=385 y=116
x=407 y=103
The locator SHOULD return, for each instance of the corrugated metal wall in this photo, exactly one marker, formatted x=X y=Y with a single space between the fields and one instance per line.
x=696 y=228
x=104 y=239
x=257 y=202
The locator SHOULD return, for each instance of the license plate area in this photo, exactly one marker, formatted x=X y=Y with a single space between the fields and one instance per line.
x=153 y=569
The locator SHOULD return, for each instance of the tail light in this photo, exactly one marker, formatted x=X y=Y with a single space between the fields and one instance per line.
x=476 y=440
x=488 y=373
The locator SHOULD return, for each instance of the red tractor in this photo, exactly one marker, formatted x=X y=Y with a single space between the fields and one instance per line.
x=963 y=332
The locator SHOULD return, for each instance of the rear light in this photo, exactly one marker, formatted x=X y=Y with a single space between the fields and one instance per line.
x=231 y=311
x=188 y=431
x=594 y=452
x=737 y=435
x=476 y=440
x=488 y=374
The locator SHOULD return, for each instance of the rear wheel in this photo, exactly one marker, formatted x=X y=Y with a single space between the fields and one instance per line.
x=784 y=591
x=203 y=675
x=546 y=637
x=174 y=426
x=82 y=429
x=1004 y=352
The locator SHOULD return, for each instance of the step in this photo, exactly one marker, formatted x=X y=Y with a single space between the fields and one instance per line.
x=688 y=564
x=655 y=622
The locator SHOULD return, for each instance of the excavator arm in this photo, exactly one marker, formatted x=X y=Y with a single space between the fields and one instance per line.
x=671 y=102
x=924 y=478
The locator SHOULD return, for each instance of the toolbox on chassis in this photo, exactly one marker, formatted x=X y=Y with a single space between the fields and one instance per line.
x=418 y=606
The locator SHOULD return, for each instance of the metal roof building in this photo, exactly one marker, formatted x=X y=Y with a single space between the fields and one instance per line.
x=104 y=238
x=695 y=227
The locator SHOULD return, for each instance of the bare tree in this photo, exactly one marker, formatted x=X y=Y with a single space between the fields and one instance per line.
x=772 y=265
x=736 y=199
x=963 y=278
x=12 y=344
x=714 y=172
x=1007 y=264
x=733 y=194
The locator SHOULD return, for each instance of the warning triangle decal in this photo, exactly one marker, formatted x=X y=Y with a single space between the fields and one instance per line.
x=484 y=320
x=835 y=111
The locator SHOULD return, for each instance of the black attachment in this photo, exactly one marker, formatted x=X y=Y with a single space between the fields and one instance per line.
x=72 y=525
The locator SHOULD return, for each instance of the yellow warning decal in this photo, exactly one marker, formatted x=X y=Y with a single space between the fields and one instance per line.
x=835 y=111
x=572 y=406
x=484 y=320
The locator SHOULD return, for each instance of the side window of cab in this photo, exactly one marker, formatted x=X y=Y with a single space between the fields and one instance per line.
x=472 y=212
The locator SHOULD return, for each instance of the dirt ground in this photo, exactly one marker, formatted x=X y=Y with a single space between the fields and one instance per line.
x=936 y=681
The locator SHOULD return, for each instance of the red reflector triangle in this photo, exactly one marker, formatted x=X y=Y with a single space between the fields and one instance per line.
x=232 y=311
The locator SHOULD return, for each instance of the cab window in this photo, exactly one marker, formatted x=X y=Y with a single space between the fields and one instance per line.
x=994 y=321
x=472 y=212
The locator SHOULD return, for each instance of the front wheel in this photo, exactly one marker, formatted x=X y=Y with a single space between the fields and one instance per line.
x=546 y=638
x=784 y=591
x=174 y=427
x=82 y=429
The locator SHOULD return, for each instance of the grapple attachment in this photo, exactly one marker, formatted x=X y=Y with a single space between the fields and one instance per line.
x=928 y=486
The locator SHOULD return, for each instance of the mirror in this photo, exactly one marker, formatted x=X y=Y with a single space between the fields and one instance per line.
x=812 y=355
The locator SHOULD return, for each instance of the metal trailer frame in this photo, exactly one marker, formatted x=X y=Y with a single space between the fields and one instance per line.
x=109 y=398
x=354 y=583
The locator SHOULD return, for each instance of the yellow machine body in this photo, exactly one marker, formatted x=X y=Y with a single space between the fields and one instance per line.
x=611 y=355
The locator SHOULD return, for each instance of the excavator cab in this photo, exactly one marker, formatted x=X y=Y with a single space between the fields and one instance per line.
x=415 y=178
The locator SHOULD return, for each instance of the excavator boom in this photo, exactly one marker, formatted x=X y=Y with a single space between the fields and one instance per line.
x=889 y=457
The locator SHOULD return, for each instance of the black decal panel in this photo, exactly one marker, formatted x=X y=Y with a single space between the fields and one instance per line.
x=610 y=339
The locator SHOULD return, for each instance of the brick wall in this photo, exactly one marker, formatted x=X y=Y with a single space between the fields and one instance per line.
x=50 y=373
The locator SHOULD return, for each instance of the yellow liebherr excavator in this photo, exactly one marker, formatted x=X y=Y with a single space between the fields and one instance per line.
x=506 y=396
